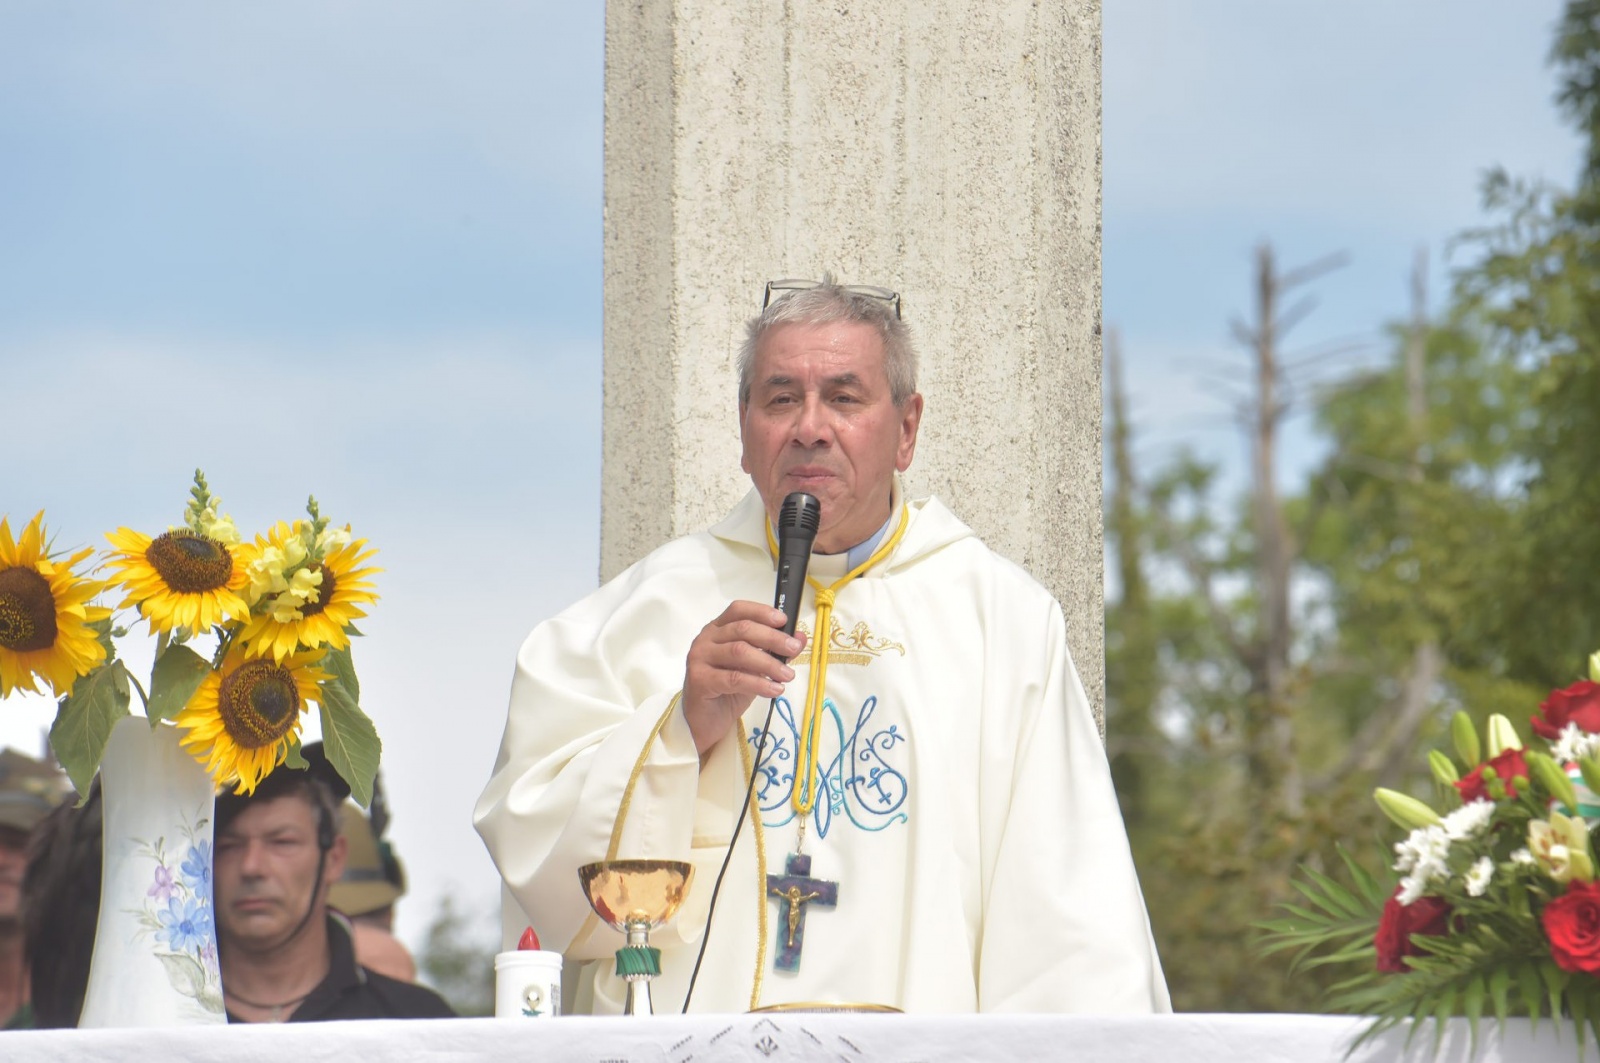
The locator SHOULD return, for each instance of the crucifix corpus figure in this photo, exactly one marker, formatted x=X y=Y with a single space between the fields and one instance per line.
x=795 y=889
x=940 y=761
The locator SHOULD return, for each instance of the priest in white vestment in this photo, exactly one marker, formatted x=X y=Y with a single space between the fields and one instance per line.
x=949 y=841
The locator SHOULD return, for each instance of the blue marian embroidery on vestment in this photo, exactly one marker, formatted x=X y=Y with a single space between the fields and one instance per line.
x=859 y=781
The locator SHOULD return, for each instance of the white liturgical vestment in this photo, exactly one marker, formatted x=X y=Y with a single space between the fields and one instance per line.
x=964 y=807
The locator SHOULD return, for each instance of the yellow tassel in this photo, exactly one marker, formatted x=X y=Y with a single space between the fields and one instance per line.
x=803 y=798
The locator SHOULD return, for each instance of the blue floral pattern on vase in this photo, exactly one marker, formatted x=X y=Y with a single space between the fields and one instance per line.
x=177 y=915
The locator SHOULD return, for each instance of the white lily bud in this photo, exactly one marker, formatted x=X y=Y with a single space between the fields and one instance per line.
x=1502 y=736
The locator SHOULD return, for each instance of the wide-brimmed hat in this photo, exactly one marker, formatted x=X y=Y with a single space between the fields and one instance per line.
x=29 y=789
x=373 y=878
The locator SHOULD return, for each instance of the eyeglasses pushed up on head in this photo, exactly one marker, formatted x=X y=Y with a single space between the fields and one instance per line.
x=870 y=291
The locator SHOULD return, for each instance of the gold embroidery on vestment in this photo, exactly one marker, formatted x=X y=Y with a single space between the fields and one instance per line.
x=858 y=646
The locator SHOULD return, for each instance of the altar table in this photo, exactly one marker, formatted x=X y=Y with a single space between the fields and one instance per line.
x=773 y=1038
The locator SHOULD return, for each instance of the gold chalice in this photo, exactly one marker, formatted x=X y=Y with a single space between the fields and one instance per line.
x=635 y=897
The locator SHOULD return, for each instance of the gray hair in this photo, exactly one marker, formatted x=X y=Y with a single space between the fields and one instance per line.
x=825 y=304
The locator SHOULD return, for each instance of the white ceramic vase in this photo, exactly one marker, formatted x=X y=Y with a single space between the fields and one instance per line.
x=155 y=947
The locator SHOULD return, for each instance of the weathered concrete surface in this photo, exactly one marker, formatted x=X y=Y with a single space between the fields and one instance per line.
x=949 y=150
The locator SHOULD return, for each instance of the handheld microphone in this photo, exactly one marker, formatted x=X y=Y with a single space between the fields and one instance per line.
x=796 y=531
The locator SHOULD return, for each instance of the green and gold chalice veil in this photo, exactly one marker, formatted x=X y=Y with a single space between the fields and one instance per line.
x=635 y=897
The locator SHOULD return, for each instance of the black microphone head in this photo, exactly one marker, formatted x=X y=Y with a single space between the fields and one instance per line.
x=801 y=514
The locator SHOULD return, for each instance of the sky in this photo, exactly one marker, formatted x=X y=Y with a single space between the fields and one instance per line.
x=354 y=250
x=1359 y=127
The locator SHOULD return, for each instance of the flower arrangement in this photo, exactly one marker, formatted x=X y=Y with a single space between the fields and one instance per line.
x=280 y=611
x=1492 y=907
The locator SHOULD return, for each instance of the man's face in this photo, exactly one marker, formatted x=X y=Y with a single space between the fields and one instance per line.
x=266 y=871
x=820 y=419
x=13 y=862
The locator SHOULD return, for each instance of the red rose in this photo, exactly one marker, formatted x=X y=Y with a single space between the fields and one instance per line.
x=1425 y=915
x=1507 y=766
x=1572 y=922
x=1579 y=704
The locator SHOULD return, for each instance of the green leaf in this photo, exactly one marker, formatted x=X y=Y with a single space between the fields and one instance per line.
x=1371 y=974
x=84 y=721
x=184 y=973
x=177 y=674
x=294 y=759
x=1575 y=1004
x=1370 y=889
x=342 y=667
x=1528 y=986
x=103 y=633
x=1415 y=1024
x=1338 y=900
x=1590 y=767
x=1472 y=1004
x=1499 y=986
x=1554 y=983
x=1309 y=920
x=348 y=737
x=1441 y=1019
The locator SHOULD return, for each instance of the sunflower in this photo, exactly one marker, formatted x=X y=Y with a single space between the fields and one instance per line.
x=44 y=621
x=241 y=719
x=315 y=607
x=179 y=579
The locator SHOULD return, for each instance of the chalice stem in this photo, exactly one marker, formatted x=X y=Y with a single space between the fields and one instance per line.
x=638 y=1000
x=638 y=963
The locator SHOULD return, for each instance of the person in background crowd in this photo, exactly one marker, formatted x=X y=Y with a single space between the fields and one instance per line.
x=29 y=789
x=61 y=908
x=285 y=957
x=366 y=893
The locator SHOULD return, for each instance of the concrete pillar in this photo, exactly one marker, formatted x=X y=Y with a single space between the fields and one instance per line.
x=947 y=149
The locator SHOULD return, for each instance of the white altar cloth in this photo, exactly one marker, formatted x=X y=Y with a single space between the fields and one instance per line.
x=774 y=1038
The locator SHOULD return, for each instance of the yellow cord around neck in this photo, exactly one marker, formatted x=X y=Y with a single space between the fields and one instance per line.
x=803 y=798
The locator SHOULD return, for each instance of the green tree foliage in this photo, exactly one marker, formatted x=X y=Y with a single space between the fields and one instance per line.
x=1535 y=291
x=1576 y=57
x=1393 y=534
x=1422 y=501
x=1132 y=647
x=457 y=959
x=1443 y=557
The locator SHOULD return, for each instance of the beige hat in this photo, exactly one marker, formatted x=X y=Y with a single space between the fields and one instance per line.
x=373 y=879
x=28 y=790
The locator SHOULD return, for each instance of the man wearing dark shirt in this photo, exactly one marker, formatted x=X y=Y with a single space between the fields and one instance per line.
x=28 y=790
x=284 y=956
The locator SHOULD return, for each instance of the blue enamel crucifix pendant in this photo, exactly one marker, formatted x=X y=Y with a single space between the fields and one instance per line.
x=794 y=891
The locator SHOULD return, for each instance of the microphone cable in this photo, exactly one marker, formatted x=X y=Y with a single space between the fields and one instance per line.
x=744 y=812
x=798 y=521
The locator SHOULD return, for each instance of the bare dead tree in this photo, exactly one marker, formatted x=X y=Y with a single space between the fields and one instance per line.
x=1273 y=758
